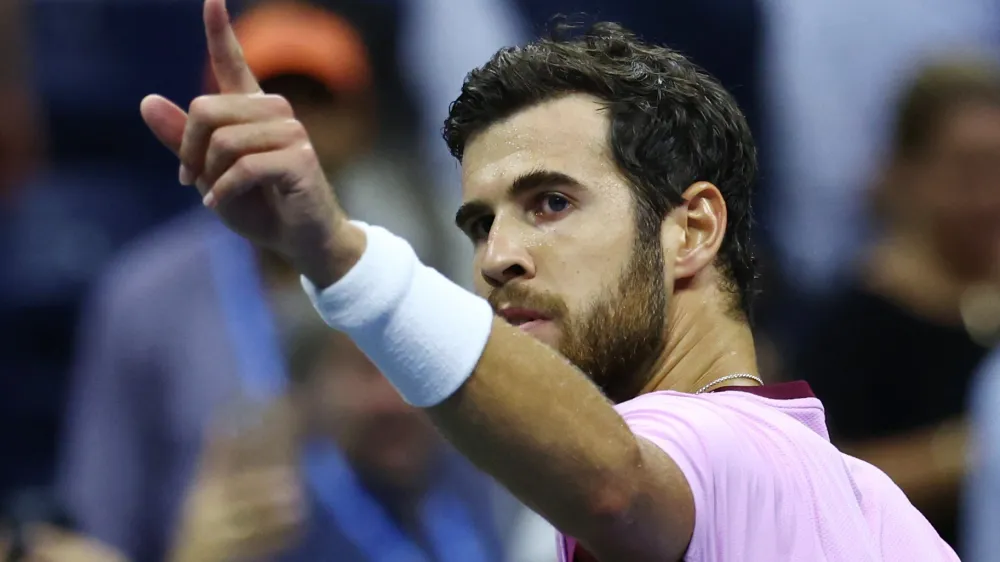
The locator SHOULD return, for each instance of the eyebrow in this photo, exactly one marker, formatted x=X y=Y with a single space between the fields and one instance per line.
x=523 y=184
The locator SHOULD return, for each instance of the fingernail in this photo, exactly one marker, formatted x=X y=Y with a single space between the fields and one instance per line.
x=185 y=176
x=209 y=200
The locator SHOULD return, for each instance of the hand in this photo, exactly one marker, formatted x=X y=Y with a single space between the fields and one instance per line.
x=253 y=163
x=247 y=500
x=50 y=544
x=46 y=543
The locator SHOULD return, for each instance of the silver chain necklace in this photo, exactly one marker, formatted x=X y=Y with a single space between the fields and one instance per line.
x=729 y=378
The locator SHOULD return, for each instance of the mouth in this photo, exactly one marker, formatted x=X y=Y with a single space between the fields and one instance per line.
x=524 y=318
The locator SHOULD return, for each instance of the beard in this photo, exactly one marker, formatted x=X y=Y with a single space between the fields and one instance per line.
x=618 y=338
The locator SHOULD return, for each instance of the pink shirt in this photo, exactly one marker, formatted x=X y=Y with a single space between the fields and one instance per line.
x=769 y=486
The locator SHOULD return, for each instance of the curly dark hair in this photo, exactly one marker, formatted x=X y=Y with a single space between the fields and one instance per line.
x=671 y=124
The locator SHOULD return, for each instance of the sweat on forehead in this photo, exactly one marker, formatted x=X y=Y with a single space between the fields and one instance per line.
x=568 y=134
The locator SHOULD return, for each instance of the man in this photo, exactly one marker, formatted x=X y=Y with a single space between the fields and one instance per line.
x=893 y=355
x=149 y=387
x=831 y=71
x=601 y=176
x=383 y=487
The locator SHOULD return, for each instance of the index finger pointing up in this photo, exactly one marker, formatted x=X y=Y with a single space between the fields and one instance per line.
x=232 y=73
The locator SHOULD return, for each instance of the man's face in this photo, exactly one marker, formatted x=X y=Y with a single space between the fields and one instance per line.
x=390 y=442
x=557 y=251
x=956 y=189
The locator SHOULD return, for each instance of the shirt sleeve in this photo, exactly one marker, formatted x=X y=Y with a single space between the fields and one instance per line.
x=721 y=461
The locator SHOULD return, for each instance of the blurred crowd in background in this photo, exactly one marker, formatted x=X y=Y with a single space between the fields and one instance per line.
x=167 y=394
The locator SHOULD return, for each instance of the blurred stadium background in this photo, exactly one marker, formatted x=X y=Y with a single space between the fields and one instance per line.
x=878 y=211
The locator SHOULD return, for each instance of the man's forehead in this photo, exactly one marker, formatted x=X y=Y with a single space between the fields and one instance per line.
x=567 y=135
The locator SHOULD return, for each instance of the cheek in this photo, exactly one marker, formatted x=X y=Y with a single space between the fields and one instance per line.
x=594 y=284
x=581 y=266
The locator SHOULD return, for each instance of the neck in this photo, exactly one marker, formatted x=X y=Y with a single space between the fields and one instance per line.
x=705 y=342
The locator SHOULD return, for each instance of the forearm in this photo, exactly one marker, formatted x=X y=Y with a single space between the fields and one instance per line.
x=542 y=429
x=928 y=464
x=513 y=406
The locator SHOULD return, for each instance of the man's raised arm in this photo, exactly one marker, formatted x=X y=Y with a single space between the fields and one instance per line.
x=512 y=405
x=545 y=431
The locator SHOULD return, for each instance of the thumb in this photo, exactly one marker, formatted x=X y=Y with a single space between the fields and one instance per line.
x=165 y=119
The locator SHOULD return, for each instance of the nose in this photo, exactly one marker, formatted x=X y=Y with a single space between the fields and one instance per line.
x=505 y=257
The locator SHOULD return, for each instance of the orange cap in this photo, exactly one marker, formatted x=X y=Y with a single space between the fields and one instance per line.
x=291 y=37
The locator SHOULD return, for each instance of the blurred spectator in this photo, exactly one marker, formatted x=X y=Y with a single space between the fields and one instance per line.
x=98 y=185
x=188 y=320
x=440 y=42
x=387 y=490
x=830 y=71
x=247 y=500
x=891 y=359
x=321 y=65
x=980 y=539
x=19 y=126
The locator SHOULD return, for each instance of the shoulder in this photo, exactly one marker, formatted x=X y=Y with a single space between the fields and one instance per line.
x=162 y=260
x=708 y=434
x=720 y=417
x=734 y=450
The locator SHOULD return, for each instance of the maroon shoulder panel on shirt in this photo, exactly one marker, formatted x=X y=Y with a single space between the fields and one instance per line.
x=781 y=391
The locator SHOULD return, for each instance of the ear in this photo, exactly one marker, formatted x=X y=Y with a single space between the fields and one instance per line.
x=701 y=219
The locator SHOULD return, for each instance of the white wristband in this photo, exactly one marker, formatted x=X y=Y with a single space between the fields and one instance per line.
x=423 y=332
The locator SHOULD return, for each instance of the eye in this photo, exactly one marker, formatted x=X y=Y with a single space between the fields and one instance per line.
x=479 y=229
x=552 y=204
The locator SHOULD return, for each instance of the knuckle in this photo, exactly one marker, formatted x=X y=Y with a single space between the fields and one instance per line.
x=200 y=107
x=296 y=129
x=279 y=104
x=306 y=159
x=223 y=142
x=305 y=152
x=244 y=167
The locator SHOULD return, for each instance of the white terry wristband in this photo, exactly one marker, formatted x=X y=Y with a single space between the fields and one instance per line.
x=422 y=331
